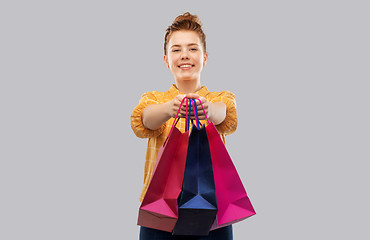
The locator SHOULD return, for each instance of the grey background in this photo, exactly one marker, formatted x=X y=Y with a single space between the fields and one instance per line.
x=72 y=71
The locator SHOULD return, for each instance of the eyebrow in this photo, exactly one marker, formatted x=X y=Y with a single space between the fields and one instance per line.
x=190 y=44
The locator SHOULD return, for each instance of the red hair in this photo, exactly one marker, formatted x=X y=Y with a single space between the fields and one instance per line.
x=185 y=22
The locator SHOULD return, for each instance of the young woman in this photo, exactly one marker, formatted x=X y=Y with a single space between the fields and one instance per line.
x=185 y=55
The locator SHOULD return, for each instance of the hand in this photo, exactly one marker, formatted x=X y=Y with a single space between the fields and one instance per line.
x=174 y=104
x=216 y=112
x=207 y=106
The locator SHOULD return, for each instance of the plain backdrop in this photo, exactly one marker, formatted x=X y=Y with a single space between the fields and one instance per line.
x=72 y=71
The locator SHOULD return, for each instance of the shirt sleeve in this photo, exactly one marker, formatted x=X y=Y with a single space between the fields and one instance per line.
x=137 y=124
x=230 y=123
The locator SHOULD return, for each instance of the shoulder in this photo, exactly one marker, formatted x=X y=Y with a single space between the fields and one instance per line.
x=153 y=96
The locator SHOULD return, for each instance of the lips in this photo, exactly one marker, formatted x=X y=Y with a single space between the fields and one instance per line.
x=185 y=65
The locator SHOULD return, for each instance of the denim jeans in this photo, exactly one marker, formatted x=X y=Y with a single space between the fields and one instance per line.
x=225 y=233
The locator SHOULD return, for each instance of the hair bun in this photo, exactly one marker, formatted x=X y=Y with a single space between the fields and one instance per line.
x=189 y=17
x=185 y=22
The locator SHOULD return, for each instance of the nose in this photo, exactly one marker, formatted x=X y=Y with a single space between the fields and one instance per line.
x=184 y=55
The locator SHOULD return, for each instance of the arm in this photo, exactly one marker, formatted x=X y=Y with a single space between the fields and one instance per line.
x=230 y=123
x=137 y=125
x=217 y=112
x=221 y=110
x=155 y=115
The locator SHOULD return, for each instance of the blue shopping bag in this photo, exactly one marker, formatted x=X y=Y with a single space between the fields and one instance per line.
x=197 y=201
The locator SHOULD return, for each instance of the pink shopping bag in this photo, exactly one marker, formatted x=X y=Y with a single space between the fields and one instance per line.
x=232 y=201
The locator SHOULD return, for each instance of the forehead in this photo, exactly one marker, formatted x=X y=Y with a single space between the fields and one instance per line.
x=184 y=38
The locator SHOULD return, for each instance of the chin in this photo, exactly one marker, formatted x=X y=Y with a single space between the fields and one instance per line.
x=187 y=78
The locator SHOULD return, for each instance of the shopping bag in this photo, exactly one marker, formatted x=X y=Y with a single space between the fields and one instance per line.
x=197 y=202
x=232 y=201
x=159 y=208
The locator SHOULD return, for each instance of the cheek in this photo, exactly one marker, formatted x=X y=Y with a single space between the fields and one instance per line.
x=200 y=58
x=169 y=63
x=174 y=66
x=200 y=62
x=172 y=61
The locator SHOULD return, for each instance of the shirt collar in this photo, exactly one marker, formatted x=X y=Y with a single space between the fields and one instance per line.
x=203 y=91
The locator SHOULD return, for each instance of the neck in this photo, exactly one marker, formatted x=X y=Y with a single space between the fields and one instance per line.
x=188 y=86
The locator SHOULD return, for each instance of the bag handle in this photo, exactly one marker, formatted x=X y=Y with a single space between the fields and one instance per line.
x=186 y=120
x=175 y=121
x=188 y=112
x=196 y=114
x=204 y=111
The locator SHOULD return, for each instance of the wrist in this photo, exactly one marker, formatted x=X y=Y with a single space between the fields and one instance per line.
x=169 y=110
x=217 y=112
x=209 y=112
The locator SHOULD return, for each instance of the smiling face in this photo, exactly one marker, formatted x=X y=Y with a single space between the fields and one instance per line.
x=185 y=55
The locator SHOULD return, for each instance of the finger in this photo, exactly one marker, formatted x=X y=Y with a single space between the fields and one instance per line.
x=202 y=113
x=192 y=95
x=199 y=117
x=202 y=117
x=179 y=99
x=203 y=100
x=183 y=110
x=183 y=113
x=200 y=109
x=183 y=102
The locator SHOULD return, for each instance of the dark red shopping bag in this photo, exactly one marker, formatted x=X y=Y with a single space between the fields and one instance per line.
x=232 y=201
x=159 y=209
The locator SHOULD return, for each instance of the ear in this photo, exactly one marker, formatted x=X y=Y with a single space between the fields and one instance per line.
x=165 y=59
x=205 y=58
